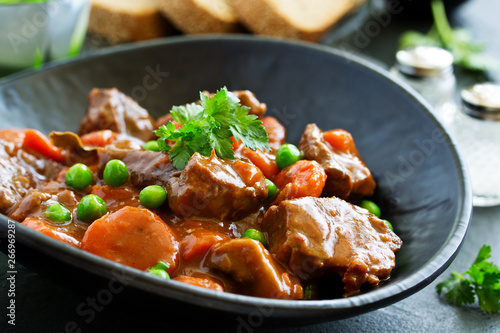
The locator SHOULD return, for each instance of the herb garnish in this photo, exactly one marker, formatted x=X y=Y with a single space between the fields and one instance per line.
x=467 y=52
x=211 y=125
x=484 y=282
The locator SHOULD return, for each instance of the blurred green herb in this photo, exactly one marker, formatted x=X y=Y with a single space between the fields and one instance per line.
x=467 y=52
x=484 y=283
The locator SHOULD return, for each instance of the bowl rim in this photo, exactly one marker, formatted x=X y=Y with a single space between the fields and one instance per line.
x=235 y=303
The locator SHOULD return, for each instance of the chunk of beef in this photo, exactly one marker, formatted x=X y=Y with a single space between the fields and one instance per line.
x=30 y=204
x=313 y=236
x=247 y=98
x=253 y=269
x=31 y=212
x=347 y=175
x=21 y=170
x=145 y=167
x=111 y=109
x=211 y=187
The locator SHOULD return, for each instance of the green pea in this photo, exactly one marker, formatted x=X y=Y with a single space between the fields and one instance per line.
x=271 y=189
x=90 y=208
x=161 y=265
x=310 y=291
x=152 y=196
x=389 y=224
x=58 y=213
x=371 y=207
x=255 y=235
x=160 y=273
x=151 y=145
x=79 y=176
x=287 y=155
x=115 y=173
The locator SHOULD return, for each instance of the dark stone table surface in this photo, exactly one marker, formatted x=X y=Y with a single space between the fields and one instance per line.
x=43 y=306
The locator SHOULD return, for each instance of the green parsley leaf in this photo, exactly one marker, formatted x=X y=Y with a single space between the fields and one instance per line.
x=184 y=114
x=456 y=290
x=210 y=125
x=484 y=283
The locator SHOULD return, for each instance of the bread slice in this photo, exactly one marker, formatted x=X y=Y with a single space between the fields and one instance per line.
x=128 y=20
x=298 y=19
x=200 y=16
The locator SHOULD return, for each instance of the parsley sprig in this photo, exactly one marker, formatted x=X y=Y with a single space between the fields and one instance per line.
x=467 y=52
x=483 y=282
x=211 y=125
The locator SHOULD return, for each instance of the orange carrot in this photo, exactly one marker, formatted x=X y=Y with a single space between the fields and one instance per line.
x=132 y=236
x=39 y=142
x=340 y=139
x=236 y=144
x=262 y=161
x=199 y=242
x=301 y=179
x=199 y=282
x=265 y=162
x=49 y=230
x=98 y=138
x=275 y=130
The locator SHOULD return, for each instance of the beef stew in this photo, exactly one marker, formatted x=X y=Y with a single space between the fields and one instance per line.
x=211 y=202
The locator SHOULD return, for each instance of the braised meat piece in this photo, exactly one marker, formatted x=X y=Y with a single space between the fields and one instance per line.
x=253 y=269
x=347 y=175
x=211 y=187
x=111 y=109
x=145 y=167
x=30 y=204
x=247 y=98
x=30 y=211
x=314 y=236
x=21 y=169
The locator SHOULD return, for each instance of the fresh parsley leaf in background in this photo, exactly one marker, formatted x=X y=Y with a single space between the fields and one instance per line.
x=484 y=283
x=466 y=51
x=210 y=126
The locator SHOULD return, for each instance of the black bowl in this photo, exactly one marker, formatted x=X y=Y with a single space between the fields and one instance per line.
x=422 y=185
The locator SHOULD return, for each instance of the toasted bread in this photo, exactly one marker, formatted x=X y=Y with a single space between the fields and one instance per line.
x=124 y=21
x=200 y=16
x=308 y=20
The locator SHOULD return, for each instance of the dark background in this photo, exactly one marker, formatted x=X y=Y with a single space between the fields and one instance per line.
x=43 y=306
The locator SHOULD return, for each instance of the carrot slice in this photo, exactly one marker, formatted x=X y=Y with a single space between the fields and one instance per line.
x=39 y=142
x=340 y=139
x=199 y=282
x=262 y=161
x=132 y=236
x=98 y=138
x=199 y=242
x=275 y=131
x=51 y=231
x=301 y=179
